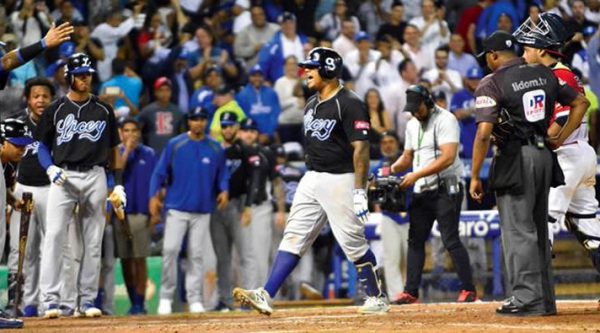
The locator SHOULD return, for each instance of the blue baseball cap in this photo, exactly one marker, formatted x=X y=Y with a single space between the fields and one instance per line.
x=256 y=69
x=66 y=49
x=249 y=124
x=198 y=113
x=474 y=73
x=228 y=118
x=361 y=35
x=589 y=30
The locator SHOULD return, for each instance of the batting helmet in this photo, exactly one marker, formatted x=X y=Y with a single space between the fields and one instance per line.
x=550 y=33
x=16 y=132
x=327 y=60
x=78 y=63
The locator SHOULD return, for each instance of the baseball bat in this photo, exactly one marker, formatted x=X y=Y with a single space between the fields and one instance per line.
x=120 y=214
x=26 y=209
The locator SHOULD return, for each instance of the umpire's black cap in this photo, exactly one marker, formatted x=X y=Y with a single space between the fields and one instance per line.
x=498 y=41
x=198 y=113
x=249 y=124
x=228 y=118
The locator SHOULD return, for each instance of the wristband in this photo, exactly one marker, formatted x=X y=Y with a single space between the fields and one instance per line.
x=31 y=51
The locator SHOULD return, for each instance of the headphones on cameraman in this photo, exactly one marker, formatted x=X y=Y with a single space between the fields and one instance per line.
x=424 y=93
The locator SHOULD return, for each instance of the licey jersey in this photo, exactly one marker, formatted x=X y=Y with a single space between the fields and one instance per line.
x=79 y=133
x=330 y=126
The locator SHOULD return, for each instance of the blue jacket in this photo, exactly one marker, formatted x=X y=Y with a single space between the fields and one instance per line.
x=262 y=106
x=193 y=172
x=488 y=20
x=204 y=97
x=140 y=164
x=270 y=57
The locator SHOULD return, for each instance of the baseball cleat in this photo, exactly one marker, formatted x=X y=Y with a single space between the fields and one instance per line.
x=164 y=307
x=466 y=296
x=405 y=298
x=374 y=305
x=52 y=312
x=222 y=307
x=258 y=299
x=197 y=307
x=90 y=311
x=10 y=323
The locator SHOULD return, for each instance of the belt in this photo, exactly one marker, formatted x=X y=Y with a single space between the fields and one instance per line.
x=78 y=168
x=535 y=140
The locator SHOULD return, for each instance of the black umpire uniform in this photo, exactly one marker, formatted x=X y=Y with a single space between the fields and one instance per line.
x=518 y=99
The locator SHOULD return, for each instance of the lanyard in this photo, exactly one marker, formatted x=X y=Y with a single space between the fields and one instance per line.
x=419 y=142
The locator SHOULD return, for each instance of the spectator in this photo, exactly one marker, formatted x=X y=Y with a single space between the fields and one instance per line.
x=385 y=68
x=139 y=161
x=198 y=183
x=109 y=33
x=577 y=23
x=291 y=98
x=433 y=29
x=344 y=43
x=463 y=107
x=490 y=17
x=129 y=87
x=154 y=39
x=468 y=22
x=205 y=95
x=440 y=99
x=394 y=96
x=30 y=22
x=330 y=24
x=225 y=102
x=283 y=44
x=203 y=51
x=361 y=63
x=443 y=78
x=592 y=11
x=242 y=16
x=505 y=23
x=306 y=10
x=580 y=59
x=176 y=68
x=251 y=39
x=412 y=47
x=160 y=120
x=373 y=14
x=87 y=44
x=458 y=60
x=260 y=102
x=393 y=30
x=380 y=120
x=593 y=54
x=66 y=12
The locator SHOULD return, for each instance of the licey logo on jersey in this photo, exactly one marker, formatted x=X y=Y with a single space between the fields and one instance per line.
x=318 y=128
x=67 y=128
x=32 y=148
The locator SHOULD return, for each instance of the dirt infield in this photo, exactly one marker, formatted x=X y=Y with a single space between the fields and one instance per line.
x=574 y=316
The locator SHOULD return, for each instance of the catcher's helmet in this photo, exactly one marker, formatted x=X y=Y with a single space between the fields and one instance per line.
x=16 y=132
x=327 y=60
x=549 y=33
x=78 y=63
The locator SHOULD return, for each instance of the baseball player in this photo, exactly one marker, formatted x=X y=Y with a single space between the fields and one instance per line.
x=336 y=130
x=78 y=137
x=574 y=203
x=16 y=137
x=31 y=178
x=16 y=58
x=192 y=168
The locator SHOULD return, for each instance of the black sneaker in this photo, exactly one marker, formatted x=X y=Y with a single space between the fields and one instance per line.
x=222 y=307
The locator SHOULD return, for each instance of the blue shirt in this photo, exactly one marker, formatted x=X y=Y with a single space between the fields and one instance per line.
x=262 y=106
x=131 y=87
x=195 y=172
x=140 y=164
x=204 y=97
x=400 y=218
x=462 y=64
x=464 y=99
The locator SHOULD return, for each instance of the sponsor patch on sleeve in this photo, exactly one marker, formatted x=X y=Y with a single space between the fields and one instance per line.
x=484 y=102
x=361 y=125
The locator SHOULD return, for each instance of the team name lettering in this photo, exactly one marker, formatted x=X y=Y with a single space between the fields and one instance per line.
x=67 y=128
x=539 y=82
x=361 y=125
x=318 y=128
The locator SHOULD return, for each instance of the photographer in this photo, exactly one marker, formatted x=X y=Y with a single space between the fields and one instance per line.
x=386 y=197
x=431 y=147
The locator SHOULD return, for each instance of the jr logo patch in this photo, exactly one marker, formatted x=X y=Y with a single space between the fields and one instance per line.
x=534 y=104
x=318 y=128
x=67 y=128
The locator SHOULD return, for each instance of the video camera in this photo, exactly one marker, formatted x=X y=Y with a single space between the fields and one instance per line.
x=386 y=193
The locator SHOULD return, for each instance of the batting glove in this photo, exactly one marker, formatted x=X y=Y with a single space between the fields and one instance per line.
x=119 y=192
x=361 y=205
x=57 y=175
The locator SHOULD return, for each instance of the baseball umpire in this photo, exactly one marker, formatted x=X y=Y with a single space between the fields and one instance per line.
x=16 y=137
x=336 y=130
x=78 y=137
x=514 y=105
x=576 y=200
